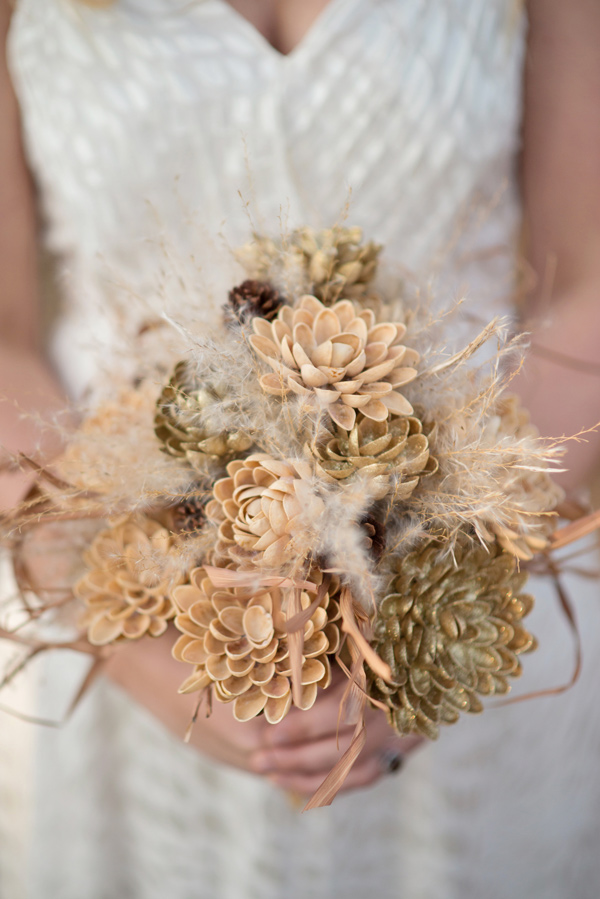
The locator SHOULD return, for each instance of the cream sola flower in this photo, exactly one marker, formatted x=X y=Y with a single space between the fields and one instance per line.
x=132 y=569
x=339 y=357
x=264 y=509
x=237 y=641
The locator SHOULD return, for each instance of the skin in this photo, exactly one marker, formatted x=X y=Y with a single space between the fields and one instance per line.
x=560 y=174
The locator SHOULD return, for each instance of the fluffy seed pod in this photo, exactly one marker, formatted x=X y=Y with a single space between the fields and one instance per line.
x=450 y=633
x=530 y=493
x=237 y=642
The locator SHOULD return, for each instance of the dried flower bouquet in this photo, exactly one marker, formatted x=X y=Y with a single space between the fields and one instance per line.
x=317 y=483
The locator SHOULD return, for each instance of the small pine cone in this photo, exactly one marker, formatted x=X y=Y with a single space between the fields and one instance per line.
x=188 y=516
x=393 y=453
x=525 y=521
x=238 y=643
x=337 y=263
x=251 y=299
x=186 y=426
x=264 y=509
x=374 y=536
x=449 y=632
x=132 y=571
x=340 y=358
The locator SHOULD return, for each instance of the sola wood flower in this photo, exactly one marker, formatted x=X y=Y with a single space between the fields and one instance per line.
x=132 y=570
x=336 y=261
x=185 y=422
x=237 y=641
x=340 y=356
x=530 y=493
x=448 y=633
x=378 y=449
x=264 y=510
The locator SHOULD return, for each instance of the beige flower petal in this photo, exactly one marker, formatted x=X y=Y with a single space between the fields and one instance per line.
x=342 y=415
x=196 y=681
x=277 y=708
x=309 y=696
x=262 y=673
x=216 y=668
x=258 y=625
x=249 y=705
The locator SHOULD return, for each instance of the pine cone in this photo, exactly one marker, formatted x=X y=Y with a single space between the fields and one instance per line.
x=185 y=423
x=375 y=539
x=251 y=299
x=264 y=509
x=237 y=641
x=529 y=494
x=336 y=263
x=379 y=449
x=340 y=356
x=132 y=570
x=188 y=516
x=449 y=632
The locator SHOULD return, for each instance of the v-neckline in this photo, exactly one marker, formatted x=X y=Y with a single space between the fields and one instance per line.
x=319 y=24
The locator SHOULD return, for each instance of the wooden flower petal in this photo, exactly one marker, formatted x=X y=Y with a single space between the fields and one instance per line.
x=258 y=625
x=309 y=696
x=194 y=653
x=312 y=671
x=397 y=404
x=277 y=708
x=202 y=613
x=102 y=631
x=326 y=325
x=342 y=415
x=231 y=617
x=216 y=668
x=277 y=688
x=262 y=673
x=240 y=667
x=249 y=705
x=185 y=595
x=196 y=681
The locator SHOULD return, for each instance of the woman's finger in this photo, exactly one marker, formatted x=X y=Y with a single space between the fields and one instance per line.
x=306 y=757
x=362 y=775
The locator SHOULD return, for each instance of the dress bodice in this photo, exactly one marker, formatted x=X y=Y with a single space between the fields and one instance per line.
x=400 y=115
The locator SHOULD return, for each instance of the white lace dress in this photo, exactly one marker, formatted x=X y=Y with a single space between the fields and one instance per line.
x=154 y=122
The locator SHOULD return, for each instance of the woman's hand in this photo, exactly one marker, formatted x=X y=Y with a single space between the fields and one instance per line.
x=304 y=747
x=296 y=754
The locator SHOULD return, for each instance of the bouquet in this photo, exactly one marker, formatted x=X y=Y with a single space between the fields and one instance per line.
x=316 y=482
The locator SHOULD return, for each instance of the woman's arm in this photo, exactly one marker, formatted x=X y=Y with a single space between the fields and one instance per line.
x=561 y=194
x=27 y=384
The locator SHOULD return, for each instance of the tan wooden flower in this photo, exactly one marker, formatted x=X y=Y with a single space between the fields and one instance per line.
x=132 y=571
x=450 y=632
x=264 y=509
x=341 y=357
x=379 y=449
x=186 y=425
x=237 y=642
x=337 y=262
